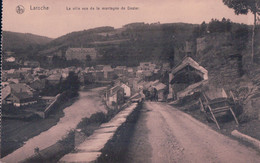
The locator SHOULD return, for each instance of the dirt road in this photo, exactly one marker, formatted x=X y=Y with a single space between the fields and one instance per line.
x=164 y=134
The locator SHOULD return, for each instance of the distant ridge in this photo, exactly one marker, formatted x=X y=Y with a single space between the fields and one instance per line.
x=14 y=40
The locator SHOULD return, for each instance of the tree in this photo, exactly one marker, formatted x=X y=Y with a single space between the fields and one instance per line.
x=88 y=60
x=243 y=7
x=71 y=84
x=203 y=28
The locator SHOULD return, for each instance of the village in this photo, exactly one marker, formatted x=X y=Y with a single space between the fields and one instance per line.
x=31 y=92
x=24 y=87
x=118 y=81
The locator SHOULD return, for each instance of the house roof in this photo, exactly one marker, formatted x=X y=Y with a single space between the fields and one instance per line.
x=10 y=71
x=10 y=59
x=23 y=95
x=13 y=80
x=114 y=90
x=22 y=91
x=124 y=85
x=21 y=87
x=108 y=68
x=188 y=61
x=150 y=84
x=136 y=96
x=159 y=86
x=54 y=77
x=120 y=67
x=5 y=92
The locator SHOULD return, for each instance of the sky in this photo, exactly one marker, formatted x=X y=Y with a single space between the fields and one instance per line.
x=58 y=20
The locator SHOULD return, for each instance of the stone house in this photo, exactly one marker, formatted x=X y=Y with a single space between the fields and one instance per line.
x=54 y=79
x=99 y=75
x=19 y=95
x=81 y=54
x=127 y=90
x=187 y=74
x=161 y=91
x=115 y=96
x=38 y=84
x=121 y=70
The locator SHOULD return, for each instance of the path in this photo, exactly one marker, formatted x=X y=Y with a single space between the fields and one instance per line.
x=169 y=135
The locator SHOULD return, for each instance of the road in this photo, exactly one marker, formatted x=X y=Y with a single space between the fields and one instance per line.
x=164 y=134
x=88 y=103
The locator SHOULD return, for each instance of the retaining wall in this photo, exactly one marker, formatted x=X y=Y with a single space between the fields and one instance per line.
x=90 y=149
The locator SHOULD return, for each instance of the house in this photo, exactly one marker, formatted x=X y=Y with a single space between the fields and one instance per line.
x=139 y=73
x=99 y=67
x=31 y=63
x=150 y=84
x=130 y=72
x=88 y=77
x=115 y=96
x=109 y=72
x=120 y=70
x=188 y=74
x=127 y=90
x=27 y=78
x=6 y=91
x=81 y=78
x=161 y=91
x=10 y=59
x=54 y=79
x=166 y=66
x=38 y=84
x=81 y=54
x=64 y=74
x=99 y=75
x=38 y=71
x=19 y=95
x=12 y=80
x=132 y=83
x=12 y=73
x=146 y=66
x=4 y=84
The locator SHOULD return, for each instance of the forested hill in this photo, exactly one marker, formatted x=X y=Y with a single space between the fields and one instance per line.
x=19 y=42
x=128 y=45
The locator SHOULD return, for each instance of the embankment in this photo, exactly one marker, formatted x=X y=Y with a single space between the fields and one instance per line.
x=86 y=128
x=116 y=148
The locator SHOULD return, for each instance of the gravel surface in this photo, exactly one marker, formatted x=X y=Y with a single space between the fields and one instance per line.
x=165 y=134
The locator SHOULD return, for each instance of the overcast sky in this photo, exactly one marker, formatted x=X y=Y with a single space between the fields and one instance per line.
x=58 y=21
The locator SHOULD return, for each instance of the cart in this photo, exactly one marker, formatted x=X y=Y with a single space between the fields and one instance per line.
x=214 y=107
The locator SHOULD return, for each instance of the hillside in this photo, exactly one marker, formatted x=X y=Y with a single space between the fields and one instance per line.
x=227 y=57
x=144 y=42
x=17 y=42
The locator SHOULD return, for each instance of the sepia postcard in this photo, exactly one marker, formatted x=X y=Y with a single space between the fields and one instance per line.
x=130 y=81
